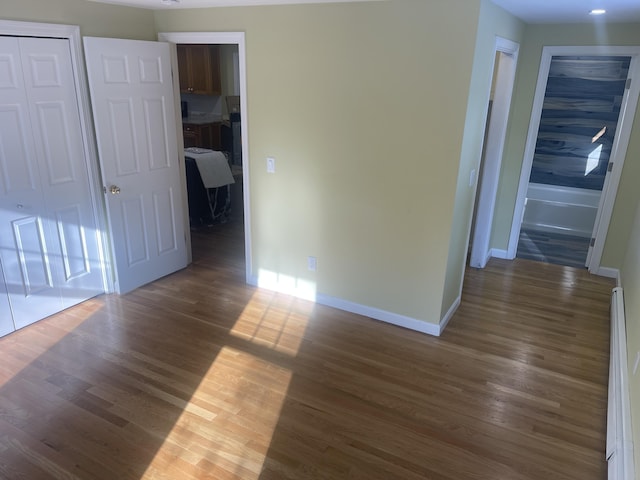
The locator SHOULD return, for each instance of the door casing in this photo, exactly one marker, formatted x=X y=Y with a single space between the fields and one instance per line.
x=618 y=153
x=492 y=161
x=222 y=38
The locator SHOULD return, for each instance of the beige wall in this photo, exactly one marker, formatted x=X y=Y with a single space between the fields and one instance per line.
x=535 y=37
x=492 y=21
x=94 y=19
x=363 y=106
x=631 y=285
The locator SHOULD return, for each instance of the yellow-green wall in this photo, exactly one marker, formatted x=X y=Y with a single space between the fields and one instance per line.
x=363 y=106
x=535 y=37
x=631 y=286
x=493 y=21
x=94 y=19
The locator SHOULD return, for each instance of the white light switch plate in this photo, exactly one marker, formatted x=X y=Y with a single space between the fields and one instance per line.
x=271 y=165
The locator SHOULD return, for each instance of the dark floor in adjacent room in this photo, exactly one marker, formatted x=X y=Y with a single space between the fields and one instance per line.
x=559 y=249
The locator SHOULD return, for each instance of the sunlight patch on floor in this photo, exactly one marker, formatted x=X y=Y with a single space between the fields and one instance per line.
x=244 y=389
x=278 y=282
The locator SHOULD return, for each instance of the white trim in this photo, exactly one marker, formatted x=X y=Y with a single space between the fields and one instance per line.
x=500 y=253
x=608 y=272
x=496 y=134
x=449 y=315
x=233 y=38
x=381 y=315
x=618 y=153
x=619 y=447
x=359 y=309
x=72 y=34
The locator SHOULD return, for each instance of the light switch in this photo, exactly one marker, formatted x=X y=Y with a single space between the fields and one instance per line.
x=271 y=165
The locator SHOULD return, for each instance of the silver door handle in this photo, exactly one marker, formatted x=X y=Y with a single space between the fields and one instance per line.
x=114 y=189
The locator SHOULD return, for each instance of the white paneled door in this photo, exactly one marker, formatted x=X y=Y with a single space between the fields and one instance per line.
x=134 y=115
x=48 y=240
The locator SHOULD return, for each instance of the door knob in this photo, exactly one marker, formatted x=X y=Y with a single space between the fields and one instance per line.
x=115 y=190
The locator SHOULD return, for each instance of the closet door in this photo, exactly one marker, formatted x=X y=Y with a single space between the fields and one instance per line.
x=6 y=319
x=24 y=238
x=64 y=178
x=48 y=243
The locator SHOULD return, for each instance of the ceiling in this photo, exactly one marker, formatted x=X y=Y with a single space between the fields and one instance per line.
x=531 y=11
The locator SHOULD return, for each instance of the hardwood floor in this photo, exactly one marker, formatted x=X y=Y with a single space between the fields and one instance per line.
x=567 y=250
x=198 y=376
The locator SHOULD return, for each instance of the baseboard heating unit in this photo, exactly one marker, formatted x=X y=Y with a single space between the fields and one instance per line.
x=619 y=437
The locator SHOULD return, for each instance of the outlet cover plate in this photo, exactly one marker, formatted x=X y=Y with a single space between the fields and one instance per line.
x=312 y=263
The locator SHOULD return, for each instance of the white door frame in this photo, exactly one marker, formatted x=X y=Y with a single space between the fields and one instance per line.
x=72 y=34
x=492 y=161
x=225 y=38
x=618 y=152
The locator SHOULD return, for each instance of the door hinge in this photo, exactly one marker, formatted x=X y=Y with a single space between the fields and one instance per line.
x=104 y=189
x=610 y=167
x=627 y=85
x=593 y=242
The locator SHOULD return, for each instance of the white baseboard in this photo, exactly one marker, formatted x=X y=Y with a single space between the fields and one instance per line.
x=364 y=310
x=499 y=253
x=381 y=315
x=619 y=452
x=610 y=273
x=447 y=316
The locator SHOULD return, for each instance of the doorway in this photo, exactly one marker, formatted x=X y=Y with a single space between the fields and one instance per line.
x=578 y=134
x=506 y=59
x=231 y=44
x=578 y=122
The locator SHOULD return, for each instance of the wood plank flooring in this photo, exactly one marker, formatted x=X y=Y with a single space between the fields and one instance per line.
x=567 y=250
x=198 y=376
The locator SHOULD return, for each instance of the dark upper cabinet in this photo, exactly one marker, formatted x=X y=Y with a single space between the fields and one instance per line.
x=199 y=69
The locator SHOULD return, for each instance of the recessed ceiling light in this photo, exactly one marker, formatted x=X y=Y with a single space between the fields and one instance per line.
x=597 y=11
x=170 y=2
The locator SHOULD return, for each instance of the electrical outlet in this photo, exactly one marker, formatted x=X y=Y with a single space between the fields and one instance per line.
x=312 y=263
x=271 y=165
x=637 y=362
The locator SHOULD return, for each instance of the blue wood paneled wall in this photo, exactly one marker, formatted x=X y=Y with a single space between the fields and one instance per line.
x=578 y=122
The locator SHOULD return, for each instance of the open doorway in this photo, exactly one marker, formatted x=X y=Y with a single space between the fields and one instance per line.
x=215 y=137
x=578 y=122
x=574 y=154
x=506 y=59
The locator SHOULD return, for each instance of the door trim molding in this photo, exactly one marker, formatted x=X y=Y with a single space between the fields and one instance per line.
x=618 y=153
x=494 y=148
x=233 y=38
x=72 y=34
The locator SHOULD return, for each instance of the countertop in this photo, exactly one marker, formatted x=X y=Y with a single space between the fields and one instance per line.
x=202 y=118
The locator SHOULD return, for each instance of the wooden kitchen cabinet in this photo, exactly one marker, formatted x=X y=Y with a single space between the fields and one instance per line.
x=199 y=69
x=206 y=135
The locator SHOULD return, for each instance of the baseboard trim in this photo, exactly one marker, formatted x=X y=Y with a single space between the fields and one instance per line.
x=364 y=310
x=449 y=314
x=499 y=253
x=609 y=273
x=619 y=448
